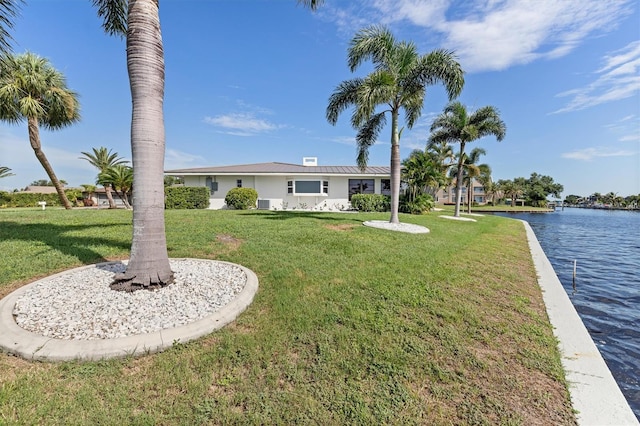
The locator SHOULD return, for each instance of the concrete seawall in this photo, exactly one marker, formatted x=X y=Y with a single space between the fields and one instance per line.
x=595 y=395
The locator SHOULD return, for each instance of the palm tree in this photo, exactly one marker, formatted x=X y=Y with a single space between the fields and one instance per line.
x=139 y=22
x=103 y=160
x=474 y=171
x=455 y=125
x=491 y=190
x=5 y=172
x=419 y=172
x=399 y=81
x=119 y=177
x=511 y=189
x=31 y=89
x=8 y=11
x=444 y=157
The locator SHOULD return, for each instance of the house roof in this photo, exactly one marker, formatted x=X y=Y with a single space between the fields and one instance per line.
x=40 y=189
x=275 y=168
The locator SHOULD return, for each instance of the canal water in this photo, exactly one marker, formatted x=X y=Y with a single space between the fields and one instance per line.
x=606 y=246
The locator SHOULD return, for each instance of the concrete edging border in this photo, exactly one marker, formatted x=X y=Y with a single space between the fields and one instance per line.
x=18 y=341
x=595 y=395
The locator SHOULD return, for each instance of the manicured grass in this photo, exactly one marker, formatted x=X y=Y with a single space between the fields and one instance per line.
x=351 y=325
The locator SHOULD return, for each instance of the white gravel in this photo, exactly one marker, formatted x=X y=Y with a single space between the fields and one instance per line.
x=398 y=227
x=80 y=305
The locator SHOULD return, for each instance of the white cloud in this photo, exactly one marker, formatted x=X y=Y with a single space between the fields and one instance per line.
x=635 y=137
x=618 y=79
x=174 y=159
x=588 y=154
x=16 y=153
x=344 y=140
x=246 y=123
x=495 y=34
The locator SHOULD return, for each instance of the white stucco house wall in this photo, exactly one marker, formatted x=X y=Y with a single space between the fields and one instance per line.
x=285 y=186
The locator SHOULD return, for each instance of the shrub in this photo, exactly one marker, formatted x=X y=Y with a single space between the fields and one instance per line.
x=31 y=199
x=186 y=197
x=241 y=198
x=420 y=204
x=371 y=202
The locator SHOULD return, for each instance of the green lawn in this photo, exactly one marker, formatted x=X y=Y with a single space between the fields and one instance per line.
x=351 y=325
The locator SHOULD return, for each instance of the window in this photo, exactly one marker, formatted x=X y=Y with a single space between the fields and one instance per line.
x=478 y=190
x=385 y=186
x=239 y=183
x=361 y=186
x=307 y=187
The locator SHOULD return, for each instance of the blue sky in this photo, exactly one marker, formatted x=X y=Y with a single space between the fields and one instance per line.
x=248 y=81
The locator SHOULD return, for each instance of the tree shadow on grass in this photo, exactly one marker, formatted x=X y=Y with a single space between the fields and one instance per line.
x=326 y=216
x=55 y=236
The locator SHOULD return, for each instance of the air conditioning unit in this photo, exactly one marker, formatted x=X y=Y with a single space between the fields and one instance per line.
x=264 y=204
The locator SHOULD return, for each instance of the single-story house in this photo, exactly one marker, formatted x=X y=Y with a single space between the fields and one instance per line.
x=285 y=186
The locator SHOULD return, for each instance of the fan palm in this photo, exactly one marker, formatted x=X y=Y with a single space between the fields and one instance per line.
x=103 y=160
x=5 y=172
x=398 y=82
x=31 y=89
x=139 y=22
x=456 y=125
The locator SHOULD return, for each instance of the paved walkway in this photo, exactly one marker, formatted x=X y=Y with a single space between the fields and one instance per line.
x=595 y=395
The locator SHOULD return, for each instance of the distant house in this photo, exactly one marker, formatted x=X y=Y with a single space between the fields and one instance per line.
x=448 y=194
x=33 y=189
x=283 y=186
x=98 y=197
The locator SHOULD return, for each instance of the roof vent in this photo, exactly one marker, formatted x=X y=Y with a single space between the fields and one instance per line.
x=309 y=161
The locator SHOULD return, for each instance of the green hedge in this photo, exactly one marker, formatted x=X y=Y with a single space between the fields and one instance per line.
x=186 y=197
x=241 y=198
x=371 y=202
x=28 y=199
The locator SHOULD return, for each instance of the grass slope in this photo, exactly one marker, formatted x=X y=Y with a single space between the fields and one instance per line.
x=351 y=325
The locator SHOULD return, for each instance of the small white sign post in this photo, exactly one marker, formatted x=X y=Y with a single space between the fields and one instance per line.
x=42 y=204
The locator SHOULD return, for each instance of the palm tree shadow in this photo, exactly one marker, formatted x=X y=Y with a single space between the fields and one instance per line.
x=285 y=215
x=57 y=237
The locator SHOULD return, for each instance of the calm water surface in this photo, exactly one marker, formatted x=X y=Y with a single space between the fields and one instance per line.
x=606 y=246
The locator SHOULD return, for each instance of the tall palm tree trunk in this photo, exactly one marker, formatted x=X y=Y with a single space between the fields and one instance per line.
x=107 y=191
x=34 y=139
x=459 y=181
x=395 y=168
x=149 y=263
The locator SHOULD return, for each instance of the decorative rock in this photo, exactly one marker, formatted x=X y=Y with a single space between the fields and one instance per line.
x=83 y=307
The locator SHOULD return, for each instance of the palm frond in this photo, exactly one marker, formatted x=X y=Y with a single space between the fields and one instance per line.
x=311 y=4
x=114 y=16
x=345 y=95
x=377 y=88
x=375 y=42
x=9 y=9
x=367 y=136
x=5 y=172
x=441 y=66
